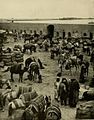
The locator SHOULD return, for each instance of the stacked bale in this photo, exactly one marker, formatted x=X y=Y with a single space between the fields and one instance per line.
x=7 y=58
x=85 y=110
x=17 y=56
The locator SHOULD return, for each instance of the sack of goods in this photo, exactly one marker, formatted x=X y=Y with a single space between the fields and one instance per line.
x=85 y=110
x=7 y=59
x=17 y=56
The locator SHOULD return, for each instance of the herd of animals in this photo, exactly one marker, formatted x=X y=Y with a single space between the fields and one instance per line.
x=70 y=50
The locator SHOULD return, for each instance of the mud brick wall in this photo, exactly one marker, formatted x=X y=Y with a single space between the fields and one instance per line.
x=43 y=27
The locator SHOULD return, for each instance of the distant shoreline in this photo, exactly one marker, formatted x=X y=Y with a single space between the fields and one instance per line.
x=47 y=19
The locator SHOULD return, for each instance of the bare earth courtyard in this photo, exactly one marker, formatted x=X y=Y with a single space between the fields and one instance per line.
x=47 y=85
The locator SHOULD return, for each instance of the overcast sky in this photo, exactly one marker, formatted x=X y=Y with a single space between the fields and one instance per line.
x=46 y=8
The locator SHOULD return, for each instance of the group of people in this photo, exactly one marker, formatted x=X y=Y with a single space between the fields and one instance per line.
x=66 y=91
x=23 y=34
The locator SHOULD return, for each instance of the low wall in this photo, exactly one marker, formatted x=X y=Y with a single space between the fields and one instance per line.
x=42 y=26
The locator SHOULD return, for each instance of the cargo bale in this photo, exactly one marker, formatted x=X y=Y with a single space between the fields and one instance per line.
x=6 y=60
x=85 y=110
x=20 y=55
x=53 y=112
x=35 y=110
x=24 y=89
x=8 y=64
x=88 y=95
x=19 y=59
x=27 y=97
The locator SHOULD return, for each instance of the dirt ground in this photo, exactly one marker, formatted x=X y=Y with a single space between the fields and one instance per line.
x=48 y=76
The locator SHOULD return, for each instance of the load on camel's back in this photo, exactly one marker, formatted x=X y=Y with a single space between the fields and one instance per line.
x=53 y=112
x=85 y=110
x=22 y=102
x=14 y=94
x=36 y=110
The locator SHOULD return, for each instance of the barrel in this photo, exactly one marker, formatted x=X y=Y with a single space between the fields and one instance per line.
x=53 y=112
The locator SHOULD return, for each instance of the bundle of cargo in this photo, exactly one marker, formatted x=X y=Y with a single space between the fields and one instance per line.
x=85 y=110
x=53 y=112
x=27 y=97
x=17 y=56
x=7 y=58
x=35 y=110
x=17 y=47
x=21 y=102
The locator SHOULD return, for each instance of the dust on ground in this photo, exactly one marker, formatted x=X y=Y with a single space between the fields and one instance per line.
x=47 y=85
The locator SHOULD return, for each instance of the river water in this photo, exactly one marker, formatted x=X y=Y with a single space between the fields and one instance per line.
x=83 y=21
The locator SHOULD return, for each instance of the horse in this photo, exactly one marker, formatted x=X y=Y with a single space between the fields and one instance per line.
x=72 y=62
x=27 y=37
x=28 y=61
x=16 y=69
x=36 y=110
x=34 y=70
x=29 y=46
x=55 y=50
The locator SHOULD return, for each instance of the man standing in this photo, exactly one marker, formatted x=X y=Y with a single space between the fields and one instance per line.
x=73 y=92
x=63 y=92
x=63 y=34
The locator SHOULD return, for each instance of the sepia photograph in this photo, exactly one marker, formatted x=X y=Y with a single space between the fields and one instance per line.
x=46 y=59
